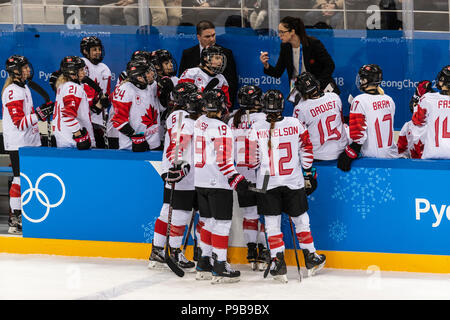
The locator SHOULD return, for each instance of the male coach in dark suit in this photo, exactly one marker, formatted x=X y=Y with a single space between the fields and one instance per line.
x=206 y=36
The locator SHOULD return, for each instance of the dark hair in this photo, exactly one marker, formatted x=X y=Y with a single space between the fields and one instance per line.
x=204 y=25
x=298 y=26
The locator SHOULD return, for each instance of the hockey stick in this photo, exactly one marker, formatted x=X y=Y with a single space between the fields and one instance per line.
x=94 y=85
x=211 y=84
x=295 y=250
x=39 y=90
x=170 y=263
x=264 y=186
x=191 y=223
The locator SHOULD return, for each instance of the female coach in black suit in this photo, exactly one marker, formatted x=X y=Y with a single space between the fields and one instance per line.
x=314 y=57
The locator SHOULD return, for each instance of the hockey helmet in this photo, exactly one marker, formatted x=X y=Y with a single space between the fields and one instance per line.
x=85 y=47
x=273 y=101
x=14 y=65
x=443 y=78
x=158 y=57
x=214 y=59
x=369 y=75
x=181 y=91
x=141 y=55
x=137 y=73
x=214 y=100
x=307 y=85
x=249 y=97
x=70 y=66
x=195 y=103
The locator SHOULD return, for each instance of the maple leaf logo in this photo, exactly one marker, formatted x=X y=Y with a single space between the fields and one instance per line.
x=150 y=117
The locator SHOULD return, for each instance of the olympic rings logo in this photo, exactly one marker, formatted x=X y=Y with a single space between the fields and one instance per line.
x=41 y=196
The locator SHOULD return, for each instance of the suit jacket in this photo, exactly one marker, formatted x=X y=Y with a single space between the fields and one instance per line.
x=316 y=58
x=191 y=59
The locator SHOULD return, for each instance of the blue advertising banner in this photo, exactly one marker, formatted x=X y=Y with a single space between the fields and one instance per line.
x=390 y=206
x=404 y=61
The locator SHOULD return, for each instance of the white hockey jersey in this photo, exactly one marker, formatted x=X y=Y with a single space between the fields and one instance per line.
x=213 y=157
x=324 y=120
x=20 y=123
x=433 y=113
x=243 y=151
x=139 y=108
x=201 y=79
x=291 y=150
x=101 y=74
x=185 y=149
x=410 y=141
x=371 y=124
x=71 y=114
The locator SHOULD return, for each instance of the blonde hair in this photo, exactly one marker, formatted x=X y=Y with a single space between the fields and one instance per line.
x=8 y=81
x=61 y=80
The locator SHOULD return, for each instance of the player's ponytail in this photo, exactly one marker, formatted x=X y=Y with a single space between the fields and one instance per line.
x=8 y=81
x=237 y=118
x=61 y=80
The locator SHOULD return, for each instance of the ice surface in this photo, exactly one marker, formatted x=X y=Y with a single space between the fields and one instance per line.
x=73 y=278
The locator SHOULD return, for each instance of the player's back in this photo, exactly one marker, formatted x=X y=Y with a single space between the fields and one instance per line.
x=242 y=147
x=185 y=149
x=323 y=118
x=283 y=159
x=372 y=125
x=437 y=132
x=213 y=158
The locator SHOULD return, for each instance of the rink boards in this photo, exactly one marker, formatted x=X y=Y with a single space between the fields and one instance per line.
x=388 y=214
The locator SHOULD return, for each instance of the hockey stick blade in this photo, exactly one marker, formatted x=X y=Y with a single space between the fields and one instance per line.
x=264 y=186
x=211 y=84
x=173 y=266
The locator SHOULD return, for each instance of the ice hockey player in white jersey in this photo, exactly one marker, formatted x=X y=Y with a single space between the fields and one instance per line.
x=166 y=69
x=321 y=113
x=212 y=64
x=409 y=143
x=180 y=176
x=93 y=54
x=71 y=123
x=250 y=111
x=215 y=179
x=136 y=109
x=433 y=112
x=371 y=120
x=113 y=133
x=20 y=126
x=284 y=151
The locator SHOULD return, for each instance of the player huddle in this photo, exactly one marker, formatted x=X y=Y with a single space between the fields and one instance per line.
x=209 y=151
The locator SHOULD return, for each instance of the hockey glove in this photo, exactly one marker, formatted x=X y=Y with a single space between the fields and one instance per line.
x=83 y=140
x=178 y=172
x=139 y=143
x=104 y=102
x=238 y=183
x=165 y=86
x=347 y=156
x=53 y=78
x=96 y=108
x=44 y=111
x=310 y=176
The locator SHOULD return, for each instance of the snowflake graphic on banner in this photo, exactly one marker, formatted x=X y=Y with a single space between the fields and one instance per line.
x=149 y=229
x=338 y=231
x=364 y=188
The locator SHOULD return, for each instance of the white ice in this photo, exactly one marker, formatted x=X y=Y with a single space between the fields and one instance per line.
x=47 y=277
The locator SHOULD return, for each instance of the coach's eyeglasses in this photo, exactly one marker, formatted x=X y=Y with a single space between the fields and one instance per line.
x=281 y=32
